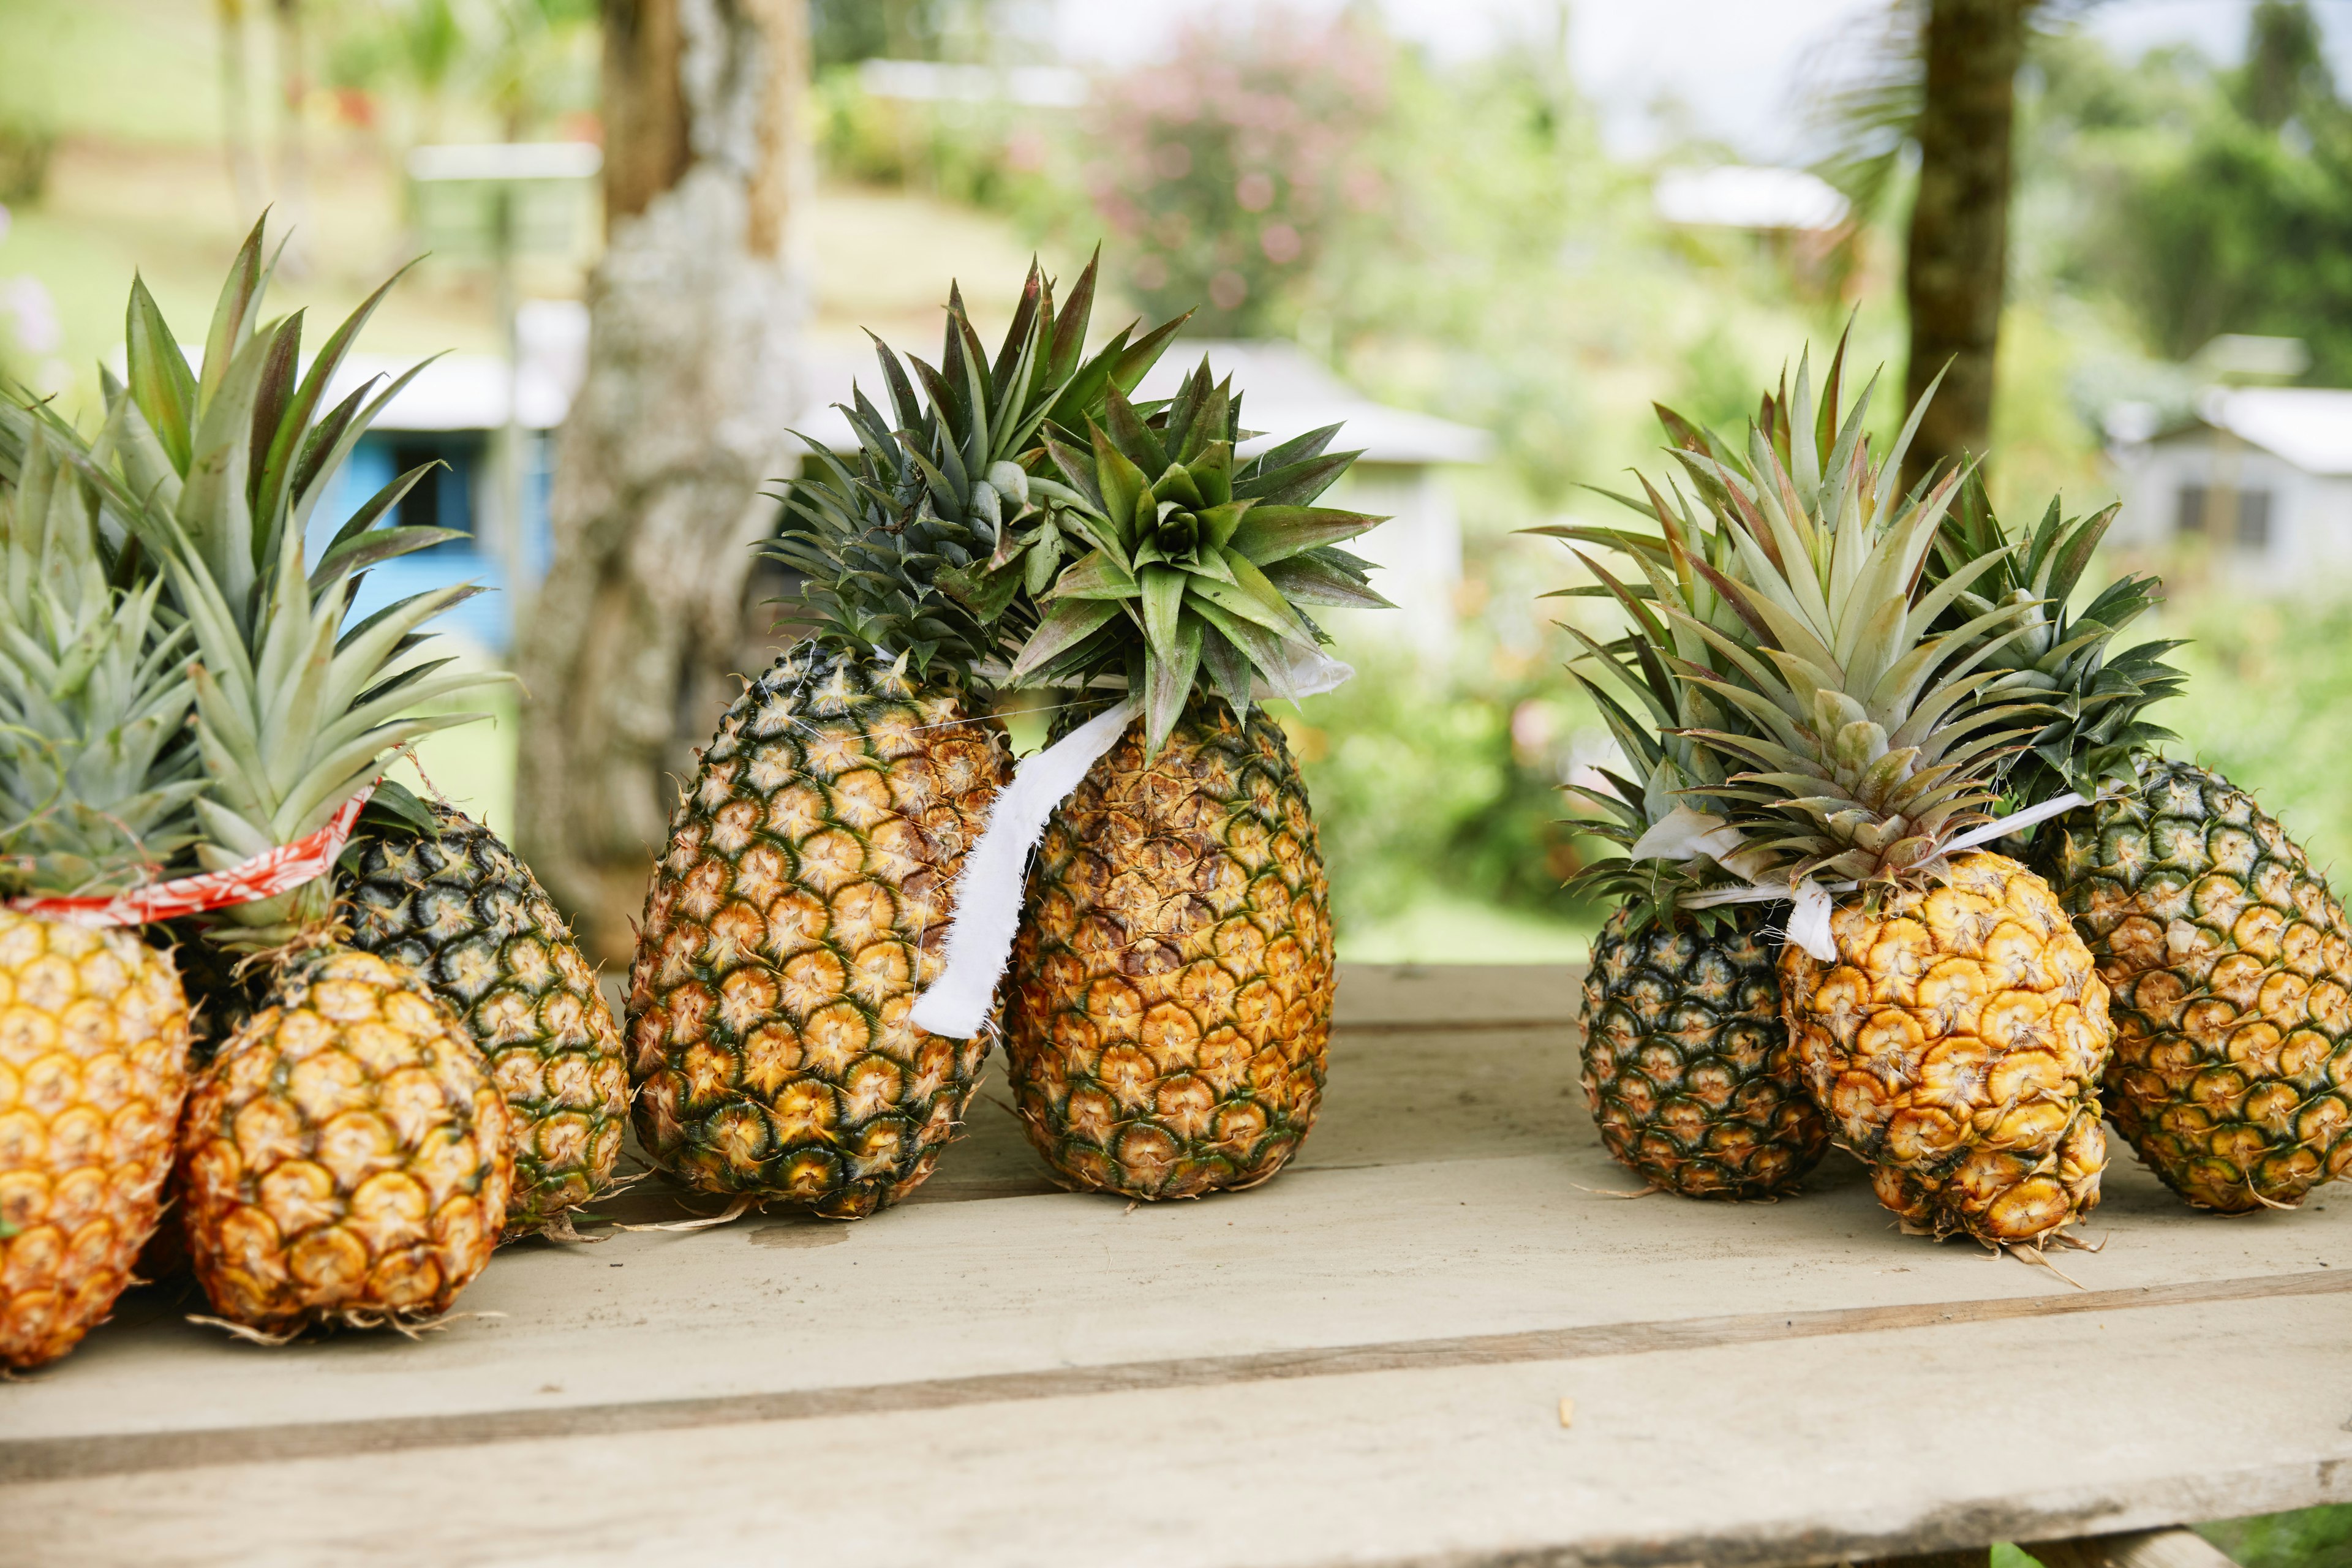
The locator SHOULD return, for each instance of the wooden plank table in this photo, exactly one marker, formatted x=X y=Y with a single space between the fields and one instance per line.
x=1364 y=1362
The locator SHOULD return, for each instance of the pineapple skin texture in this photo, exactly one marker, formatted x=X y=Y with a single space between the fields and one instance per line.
x=1957 y=1046
x=93 y=1070
x=346 y=1156
x=2231 y=968
x=802 y=903
x=1687 y=1065
x=1172 y=980
x=467 y=914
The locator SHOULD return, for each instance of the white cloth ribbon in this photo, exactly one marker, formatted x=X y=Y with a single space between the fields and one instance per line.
x=996 y=874
x=1684 y=833
x=1808 y=922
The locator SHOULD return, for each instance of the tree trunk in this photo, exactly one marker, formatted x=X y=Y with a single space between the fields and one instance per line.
x=1959 y=221
x=237 y=117
x=632 y=639
x=293 y=203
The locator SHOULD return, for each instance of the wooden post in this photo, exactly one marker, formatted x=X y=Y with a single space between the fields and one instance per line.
x=293 y=200
x=628 y=653
x=1959 y=250
x=2172 y=1548
x=236 y=123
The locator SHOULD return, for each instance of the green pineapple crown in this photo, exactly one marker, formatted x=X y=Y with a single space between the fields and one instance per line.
x=96 y=776
x=2063 y=658
x=215 y=473
x=1670 y=771
x=923 y=549
x=1190 y=564
x=1866 y=738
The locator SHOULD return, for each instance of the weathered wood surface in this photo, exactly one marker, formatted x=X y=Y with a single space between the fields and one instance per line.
x=1363 y=1361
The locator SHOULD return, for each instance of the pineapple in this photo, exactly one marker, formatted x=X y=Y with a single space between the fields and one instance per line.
x=1952 y=1026
x=1173 y=976
x=95 y=788
x=436 y=891
x=2228 y=960
x=1687 y=1065
x=2231 y=967
x=801 y=901
x=805 y=892
x=345 y=1156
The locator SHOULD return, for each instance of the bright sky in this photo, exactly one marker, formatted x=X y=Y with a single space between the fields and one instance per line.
x=1732 y=64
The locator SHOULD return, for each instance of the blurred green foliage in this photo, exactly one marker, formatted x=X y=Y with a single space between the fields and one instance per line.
x=1445 y=781
x=26 y=148
x=508 y=68
x=843 y=32
x=2308 y=1538
x=2269 y=704
x=2208 y=199
x=980 y=154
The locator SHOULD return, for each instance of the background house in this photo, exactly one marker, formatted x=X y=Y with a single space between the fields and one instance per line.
x=454 y=412
x=2260 y=476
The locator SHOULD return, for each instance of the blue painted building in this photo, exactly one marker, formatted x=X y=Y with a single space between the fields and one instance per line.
x=453 y=414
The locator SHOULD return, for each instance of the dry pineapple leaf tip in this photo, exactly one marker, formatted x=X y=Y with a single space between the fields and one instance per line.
x=560 y=1229
x=731 y=1212
x=249 y=1334
x=406 y=1323
x=2031 y=1253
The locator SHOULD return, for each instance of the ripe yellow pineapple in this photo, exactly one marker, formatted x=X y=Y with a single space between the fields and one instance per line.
x=346 y=1156
x=1173 y=978
x=804 y=898
x=1948 y=1018
x=95 y=782
x=1956 y=1042
x=93 y=1067
x=356 y=1073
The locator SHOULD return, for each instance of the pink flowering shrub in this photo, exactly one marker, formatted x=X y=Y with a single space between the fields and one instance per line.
x=1221 y=176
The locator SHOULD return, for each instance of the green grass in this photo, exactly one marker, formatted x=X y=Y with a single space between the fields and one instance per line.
x=472 y=765
x=1440 y=929
x=2308 y=1538
x=129 y=70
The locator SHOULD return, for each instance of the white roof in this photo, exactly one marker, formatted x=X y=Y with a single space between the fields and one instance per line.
x=1287 y=392
x=1739 y=196
x=2310 y=426
x=469 y=392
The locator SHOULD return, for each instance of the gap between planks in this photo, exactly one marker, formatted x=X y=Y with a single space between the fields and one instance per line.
x=56 y=1458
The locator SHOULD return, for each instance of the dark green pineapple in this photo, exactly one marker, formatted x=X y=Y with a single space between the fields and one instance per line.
x=433 y=888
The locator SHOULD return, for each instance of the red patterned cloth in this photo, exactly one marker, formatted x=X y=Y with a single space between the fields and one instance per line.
x=267 y=874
